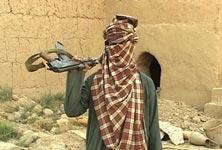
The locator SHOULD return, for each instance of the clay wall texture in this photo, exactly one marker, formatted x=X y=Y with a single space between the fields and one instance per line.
x=185 y=37
x=30 y=26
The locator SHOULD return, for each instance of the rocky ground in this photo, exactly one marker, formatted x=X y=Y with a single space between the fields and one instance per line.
x=182 y=115
x=40 y=124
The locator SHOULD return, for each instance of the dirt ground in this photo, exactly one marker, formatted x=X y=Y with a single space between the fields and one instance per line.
x=177 y=113
x=182 y=115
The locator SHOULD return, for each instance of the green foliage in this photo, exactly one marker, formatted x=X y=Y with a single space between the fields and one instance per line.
x=5 y=93
x=49 y=100
x=7 y=131
x=24 y=117
x=46 y=100
x=59 y=96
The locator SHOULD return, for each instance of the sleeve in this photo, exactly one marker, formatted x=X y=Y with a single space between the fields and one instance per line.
x=154 y=130
x=77 y=94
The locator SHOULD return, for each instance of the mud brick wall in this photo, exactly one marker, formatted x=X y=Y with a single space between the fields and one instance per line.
x=185 y=37
x=30 y=26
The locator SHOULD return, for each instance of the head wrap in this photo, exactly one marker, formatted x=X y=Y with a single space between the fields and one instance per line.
x=117 y=92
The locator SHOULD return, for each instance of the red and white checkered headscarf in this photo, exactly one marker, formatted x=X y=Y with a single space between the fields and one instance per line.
x=117 y=92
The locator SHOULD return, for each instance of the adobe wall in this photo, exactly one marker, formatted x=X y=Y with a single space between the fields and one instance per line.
x=185 y=37
x=30 y=26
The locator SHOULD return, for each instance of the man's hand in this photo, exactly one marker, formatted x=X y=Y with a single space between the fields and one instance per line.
x=79 y=59
x=87 y=67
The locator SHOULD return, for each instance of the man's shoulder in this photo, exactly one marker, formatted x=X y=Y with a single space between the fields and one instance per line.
x=90 y=77
x=145 y=78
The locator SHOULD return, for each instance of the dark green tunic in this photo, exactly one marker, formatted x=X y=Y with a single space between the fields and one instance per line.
x=78 y=100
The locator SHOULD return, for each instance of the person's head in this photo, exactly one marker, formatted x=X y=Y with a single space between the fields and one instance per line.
x=121 y=29
x=129 y=19
x=120 y=39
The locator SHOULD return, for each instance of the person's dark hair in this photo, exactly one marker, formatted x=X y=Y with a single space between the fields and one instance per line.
x=130 y=19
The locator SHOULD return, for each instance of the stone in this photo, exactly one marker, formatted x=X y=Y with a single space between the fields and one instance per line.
x=185 y=125
x=196 y=119
x=64 y=116
x=193 y=127
x=80 y=133
x=45 y=124
x=9 y=146
x=63 y=124
x=186 y=117
x=213 y=109
x=28 y=138
x=25 y=102
x=47 y=112
x=27 y=113
x=32 y=118
x=203 y=118
x=11 y=117
x=53 y=130
x=37 y=109
x=15 y=97
x=83 y=121
x=59 y=112
x=10 y=107
x=17 y=115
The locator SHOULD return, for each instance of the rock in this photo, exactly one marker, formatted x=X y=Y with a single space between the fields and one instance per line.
x=186 y=117
x=45 y=124
x=176 y=114
x=42 y=145
x=37 y=109
x=58 y=112
x=21 y=109
x=62 y=107
x=80 y=133
x=22 y=115
x=47 y=112
x=28 y=113
x=193 y=127
x=11 y=117
x=25 y=102
x=53 y=130
x=56 y=130
x=203 y=119
x=196 y=119
x=9 y=146
x=64 y=116
x=3 y=114
x=28 y=138
x=213 y=109
x=32 y=118
x=63 y=124
x=83 y=121
x=63 y=141
x=15 y=97
x=17 y=116
x=61 y=146
x=9 y=107
x=185 y=125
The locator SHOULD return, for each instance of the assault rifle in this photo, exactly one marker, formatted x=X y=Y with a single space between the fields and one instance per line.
x=64 y=62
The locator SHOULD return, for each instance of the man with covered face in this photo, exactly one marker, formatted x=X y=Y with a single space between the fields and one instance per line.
x=121 y=101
